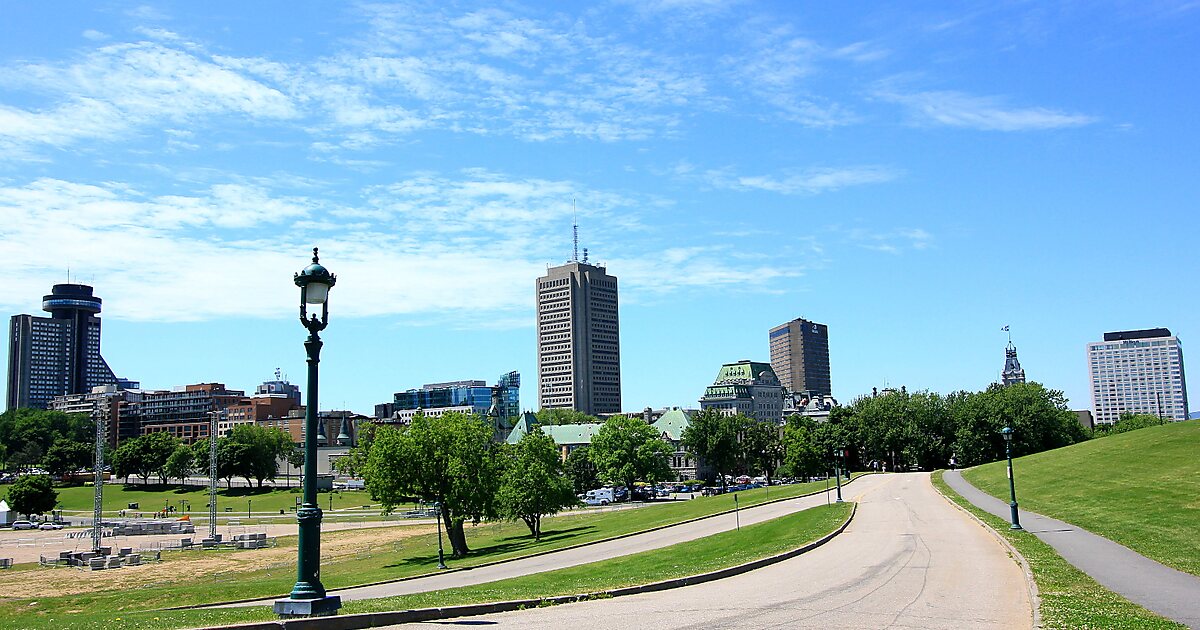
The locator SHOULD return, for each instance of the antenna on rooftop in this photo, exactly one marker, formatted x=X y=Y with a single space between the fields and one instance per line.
x=574 y=232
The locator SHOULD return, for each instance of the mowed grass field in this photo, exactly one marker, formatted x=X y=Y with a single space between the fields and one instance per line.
x=384 y=556
x=1140 y=489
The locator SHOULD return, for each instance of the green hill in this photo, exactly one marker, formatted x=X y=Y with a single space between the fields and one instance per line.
x=1140 y=489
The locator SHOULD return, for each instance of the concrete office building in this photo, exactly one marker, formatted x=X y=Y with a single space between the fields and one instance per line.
x=1137 y=371
x=800 y=357
x=746 y=387
x=57 y=355
x=578 y=337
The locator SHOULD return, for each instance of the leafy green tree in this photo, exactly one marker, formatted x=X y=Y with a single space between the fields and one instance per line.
x=762 y=447
x=256 y=450
x=533 y=483
x=355 y=461
x=37 y=429
x=450 y=460
x=559 y=415
x=581 y=470
x=66 y=456
x=145 y=455
x=1132 y=422
x=180 y=465
x=227 y=456
x=712 y=438
x=32 y=494
x=802 y=456
x=626 y=450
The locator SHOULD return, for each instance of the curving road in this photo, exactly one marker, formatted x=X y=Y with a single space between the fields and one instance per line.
x=908 y=560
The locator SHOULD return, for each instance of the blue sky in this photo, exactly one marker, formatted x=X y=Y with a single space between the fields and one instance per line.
x=915 y=178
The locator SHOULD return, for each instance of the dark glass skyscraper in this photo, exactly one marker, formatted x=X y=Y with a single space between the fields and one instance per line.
x=800 y=356
x=56 y=355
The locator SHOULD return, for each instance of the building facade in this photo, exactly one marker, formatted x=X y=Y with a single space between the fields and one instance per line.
x=746 y=387
x=499 y=403
x=800 y=357
x=185 y=412
x=1137 y=371
x=57 y=355
x=1013 y=372
x=110 y=404
x=578 y=339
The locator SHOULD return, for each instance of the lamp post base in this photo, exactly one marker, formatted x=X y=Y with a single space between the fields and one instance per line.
x=318 y=607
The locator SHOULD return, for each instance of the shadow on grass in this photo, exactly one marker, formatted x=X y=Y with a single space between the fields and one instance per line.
x=507 y=545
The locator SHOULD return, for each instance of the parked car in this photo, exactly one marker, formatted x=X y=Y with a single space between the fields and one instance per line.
x=22 y=525
x=48 y=525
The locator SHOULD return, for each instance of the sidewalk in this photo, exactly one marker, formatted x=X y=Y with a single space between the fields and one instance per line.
x=1156 y=587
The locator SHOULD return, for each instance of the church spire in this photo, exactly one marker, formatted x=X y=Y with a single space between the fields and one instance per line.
x=1013 y=373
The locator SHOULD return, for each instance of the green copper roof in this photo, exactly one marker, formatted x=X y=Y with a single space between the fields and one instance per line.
x=672 y=423
x=571 y=434
x=742 y=372
x=523 y=425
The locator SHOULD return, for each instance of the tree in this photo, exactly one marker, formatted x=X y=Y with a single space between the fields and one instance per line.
x=802 y=455
x=560 y=415
x=180 y=465
x=355 y=461
x=145 y=455
x=37 y=429
x=1131 y=422
x=627 y=449
x=450 y=460
x=581 y=470
x=256 y=451
x=66 y=456
x=533 y=484
x=711 y=438
x=32 y=494
x=762 y=447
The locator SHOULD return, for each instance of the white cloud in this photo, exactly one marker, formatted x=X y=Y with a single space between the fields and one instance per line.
x=805 y=181
x=895 y=241
x=956 y=109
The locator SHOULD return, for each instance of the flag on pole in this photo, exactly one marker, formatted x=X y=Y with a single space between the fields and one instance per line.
x=1005 y=329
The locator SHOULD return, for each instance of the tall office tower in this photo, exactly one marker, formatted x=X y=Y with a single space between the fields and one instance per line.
x=1137 y=371
x=800 y=357
x=579 y=353
x=56 y=355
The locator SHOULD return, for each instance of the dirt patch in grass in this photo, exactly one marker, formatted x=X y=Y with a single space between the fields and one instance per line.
x=180 y=566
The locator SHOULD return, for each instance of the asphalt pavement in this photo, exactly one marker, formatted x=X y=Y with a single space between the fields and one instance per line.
x=907 y=560
x=1155 y=586
x=591 y=553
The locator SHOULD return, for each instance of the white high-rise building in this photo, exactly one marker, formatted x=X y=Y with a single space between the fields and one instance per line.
x=579 y=349
x=1137 y=371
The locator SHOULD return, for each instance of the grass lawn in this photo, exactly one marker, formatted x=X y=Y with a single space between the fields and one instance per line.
x=1140 y=489
x=1069 y=598
x=155 y=497
x=489 y=542
x=680 y=560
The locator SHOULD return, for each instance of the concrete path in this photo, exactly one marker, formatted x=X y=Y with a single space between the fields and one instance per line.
x=592 y=553
x=1156 y=587
x=908 y=560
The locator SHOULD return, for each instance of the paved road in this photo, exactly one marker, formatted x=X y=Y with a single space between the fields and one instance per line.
x=908 y=560
x=1154 y=586
x=591 y=553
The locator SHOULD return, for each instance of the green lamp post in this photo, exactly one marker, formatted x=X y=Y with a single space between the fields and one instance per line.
x=837 y=471
x=1007 y=432
x=308 y=598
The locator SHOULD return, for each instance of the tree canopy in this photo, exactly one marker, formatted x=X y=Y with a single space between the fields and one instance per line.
x=559 y=415
x=626 y=450
x=581 y=470
x=533 y=483
x=145 y=455
x=32 y=494
x=450 y=460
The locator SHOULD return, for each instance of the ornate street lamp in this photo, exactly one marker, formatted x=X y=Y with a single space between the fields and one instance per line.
x=837 y=472
x=308 y=598
x=1007 y=432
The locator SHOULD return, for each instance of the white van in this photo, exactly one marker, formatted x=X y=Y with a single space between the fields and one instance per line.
x=599 y=496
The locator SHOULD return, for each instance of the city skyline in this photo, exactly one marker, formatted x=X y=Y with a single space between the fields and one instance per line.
x=914 y=178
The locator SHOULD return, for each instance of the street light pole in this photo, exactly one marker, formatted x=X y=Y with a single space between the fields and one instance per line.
x=441 y=553
x=1007 y=432
x=308 y=597
x=837 y=473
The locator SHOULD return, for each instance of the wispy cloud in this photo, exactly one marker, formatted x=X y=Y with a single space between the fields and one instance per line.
x=957 y=109
x=895 y=241
x=413 y=241
x=801 y=181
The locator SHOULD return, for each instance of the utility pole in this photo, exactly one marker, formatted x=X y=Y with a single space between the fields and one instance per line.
x=212 y=475
x=98 y=481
